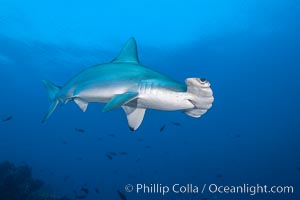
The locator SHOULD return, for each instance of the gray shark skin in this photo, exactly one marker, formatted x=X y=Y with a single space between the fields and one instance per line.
x=126 y=83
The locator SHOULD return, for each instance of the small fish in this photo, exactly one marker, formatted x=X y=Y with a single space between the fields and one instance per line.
x=113 y=153
x=219 y=176
x=97 y=190
x=100 y=138
x=64 y=142
x=109 y=156
x=138 y=160
x=6 y=119
x=235 y=135
x=121 y=195
x=176 y=123
x=80 y=130
x=140 y=140
x=80 y=196
x=148 y=147
x=162 y=128
x=112 y=135
x=298 y=168
x=123 y=153
x=79 y=158
x=85 y=189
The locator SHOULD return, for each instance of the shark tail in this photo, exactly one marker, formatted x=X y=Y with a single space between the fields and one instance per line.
x=202 y=96
x=52 y=94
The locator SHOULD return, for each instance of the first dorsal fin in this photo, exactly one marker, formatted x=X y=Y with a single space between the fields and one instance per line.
x=128 y=53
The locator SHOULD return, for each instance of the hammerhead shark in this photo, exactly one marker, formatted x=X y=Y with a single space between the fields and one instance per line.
x=125 y=83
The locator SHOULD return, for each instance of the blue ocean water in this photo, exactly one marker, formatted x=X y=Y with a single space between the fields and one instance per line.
x=248 y=50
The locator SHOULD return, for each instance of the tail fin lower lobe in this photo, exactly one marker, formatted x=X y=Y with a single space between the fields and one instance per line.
x=52 y=94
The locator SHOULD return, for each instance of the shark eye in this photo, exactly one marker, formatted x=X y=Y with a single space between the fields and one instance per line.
x=203 y=80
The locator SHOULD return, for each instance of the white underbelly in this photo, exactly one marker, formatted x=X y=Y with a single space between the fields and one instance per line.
x=165 y=100
x=101 y=94
x=153 y=98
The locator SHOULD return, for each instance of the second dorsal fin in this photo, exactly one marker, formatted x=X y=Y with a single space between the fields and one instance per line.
x=128 y=54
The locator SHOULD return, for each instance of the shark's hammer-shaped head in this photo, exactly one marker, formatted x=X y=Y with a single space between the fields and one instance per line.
x=201 y=96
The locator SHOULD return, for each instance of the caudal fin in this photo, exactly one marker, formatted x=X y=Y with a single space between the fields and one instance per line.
x=202 y=96
x=52 y=94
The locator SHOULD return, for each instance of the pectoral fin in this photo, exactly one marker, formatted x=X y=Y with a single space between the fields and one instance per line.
x=119 y=100
x=134 y=116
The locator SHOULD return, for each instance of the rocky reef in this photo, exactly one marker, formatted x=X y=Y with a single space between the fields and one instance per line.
x=17 y=183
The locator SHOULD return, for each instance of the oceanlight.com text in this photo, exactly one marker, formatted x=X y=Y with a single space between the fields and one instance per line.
x=249 y=189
